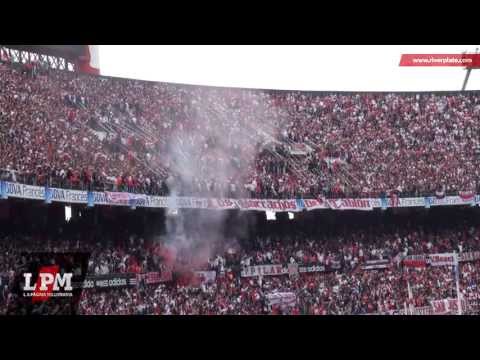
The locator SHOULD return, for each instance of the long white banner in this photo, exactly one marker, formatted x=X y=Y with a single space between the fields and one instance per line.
x=282 y=298
x=16 y=190
x=272 y=270
x=469 y=256
x=264 y=270
x=376 y=264
x=24 y=191
x=447 y=259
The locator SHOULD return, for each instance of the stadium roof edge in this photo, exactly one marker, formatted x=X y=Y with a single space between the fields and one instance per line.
x=69 y=52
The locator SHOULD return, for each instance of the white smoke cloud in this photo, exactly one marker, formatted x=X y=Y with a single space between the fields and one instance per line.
x=220 y=145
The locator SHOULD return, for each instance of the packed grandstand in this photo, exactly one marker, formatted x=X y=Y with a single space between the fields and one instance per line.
x=370 y=263
x=80 y=131
x=74 y=131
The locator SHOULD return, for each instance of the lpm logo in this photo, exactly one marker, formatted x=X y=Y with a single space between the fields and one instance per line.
x=47 y=283
x=50 y=283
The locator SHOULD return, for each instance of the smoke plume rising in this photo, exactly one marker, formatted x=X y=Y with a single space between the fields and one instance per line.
x=217 y=147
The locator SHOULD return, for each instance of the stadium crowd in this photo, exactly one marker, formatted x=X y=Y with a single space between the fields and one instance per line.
x=343 y=286
x=348 y=290
x=72 y=130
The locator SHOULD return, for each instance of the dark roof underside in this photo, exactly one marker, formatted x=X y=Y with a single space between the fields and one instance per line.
x=69 y=52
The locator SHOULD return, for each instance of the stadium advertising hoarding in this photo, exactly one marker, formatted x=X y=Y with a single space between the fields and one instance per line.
x=17 y=190
x=69 y=196
x=122 y=280
x=274 y=270
x=22 y=191
x=109 y=281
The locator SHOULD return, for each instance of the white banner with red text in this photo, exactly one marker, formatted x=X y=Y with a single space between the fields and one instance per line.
x=446 y=259
x=437 y=307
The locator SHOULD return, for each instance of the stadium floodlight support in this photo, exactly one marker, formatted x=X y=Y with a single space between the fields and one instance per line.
x=456 y=269
x=410 y=297
x=467 y=75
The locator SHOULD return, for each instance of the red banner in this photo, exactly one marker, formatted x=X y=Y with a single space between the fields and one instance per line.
x=467 y=195
x=415 y=261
